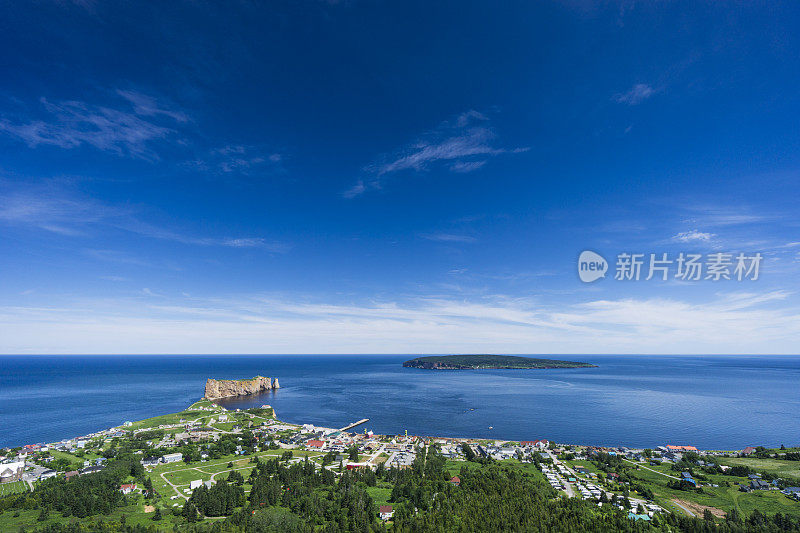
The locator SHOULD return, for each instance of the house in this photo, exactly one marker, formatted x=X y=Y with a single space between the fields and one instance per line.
x=455 y=480
x=674 y=448
x=195 y=484
x=47 y=474
x=386 y=512
x=127 y=488
x=759 y=484
x=541 y=443
x=637 y=517
x=11 y=471
x=612 y=475
x=318 y=444
x=72 y=474
x=172 y=458
x=747 y=451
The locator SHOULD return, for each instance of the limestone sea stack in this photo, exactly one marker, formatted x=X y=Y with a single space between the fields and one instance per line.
x=225 y=388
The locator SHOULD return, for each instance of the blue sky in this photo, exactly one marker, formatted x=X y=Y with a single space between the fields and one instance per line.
x=399 y=177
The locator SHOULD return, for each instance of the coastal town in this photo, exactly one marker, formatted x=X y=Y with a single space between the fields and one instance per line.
x=205 y=444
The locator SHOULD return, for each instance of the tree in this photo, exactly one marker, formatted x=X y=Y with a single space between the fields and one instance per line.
x=157 y=516
x=707 y=516
x=468 y=453
x=190 y=512
x=148 y=486
x=353 y=454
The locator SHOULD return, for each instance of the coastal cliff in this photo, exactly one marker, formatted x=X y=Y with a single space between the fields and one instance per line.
x=225 y=388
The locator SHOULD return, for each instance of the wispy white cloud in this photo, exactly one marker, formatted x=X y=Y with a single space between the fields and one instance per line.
x=635 y=95
x=119 y=279
x=57 y=211
x=238 y=159
x=466 y=166
x=448 y=237
x=148 y=106
x=355 y=190
x=70 y=124
x=737 y=323
x=693 y=236
x=464 y=144
x=40 y=208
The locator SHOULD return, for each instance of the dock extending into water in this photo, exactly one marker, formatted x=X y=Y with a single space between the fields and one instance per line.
x=354 y=424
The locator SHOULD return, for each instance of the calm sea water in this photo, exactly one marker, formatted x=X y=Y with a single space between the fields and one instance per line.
x=712 y=402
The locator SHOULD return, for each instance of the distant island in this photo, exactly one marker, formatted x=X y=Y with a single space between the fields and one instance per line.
x=485 y=362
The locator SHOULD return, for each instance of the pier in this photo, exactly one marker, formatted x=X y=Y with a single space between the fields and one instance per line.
x=354 y=424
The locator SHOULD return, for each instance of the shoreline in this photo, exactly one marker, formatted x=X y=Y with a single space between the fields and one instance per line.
x=498 y=439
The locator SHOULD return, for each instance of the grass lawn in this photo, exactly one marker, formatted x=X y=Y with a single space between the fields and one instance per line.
x=380 y=494
x=776 y=467
x=722 y=497
x=77 y=461
x=13 y=488
x=172 y=418
x=134 y=515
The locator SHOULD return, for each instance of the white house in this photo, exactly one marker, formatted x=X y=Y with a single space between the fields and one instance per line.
x=196 y=484
x=11 y=471
x=386 y=512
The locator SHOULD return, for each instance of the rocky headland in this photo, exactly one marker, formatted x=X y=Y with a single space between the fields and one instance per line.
x=225 y=388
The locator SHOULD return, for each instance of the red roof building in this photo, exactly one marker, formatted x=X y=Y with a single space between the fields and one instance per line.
x=385 y=512
x=672 y=448
x=455 y=481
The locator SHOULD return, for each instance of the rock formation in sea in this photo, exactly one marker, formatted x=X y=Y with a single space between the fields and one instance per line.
x=225 y=388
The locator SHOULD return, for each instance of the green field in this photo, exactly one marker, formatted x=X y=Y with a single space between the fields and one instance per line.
x=380 y=494
x=173 y=418
x=13 y=488
x=722 y=497
x=776 y=467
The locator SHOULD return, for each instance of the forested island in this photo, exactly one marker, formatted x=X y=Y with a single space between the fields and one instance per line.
x=485 y=362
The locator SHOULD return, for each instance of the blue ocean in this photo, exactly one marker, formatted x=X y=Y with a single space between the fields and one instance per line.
x=712 y=402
